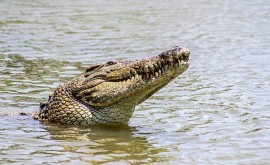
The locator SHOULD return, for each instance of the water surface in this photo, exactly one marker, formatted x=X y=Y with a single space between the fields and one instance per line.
x=217 y=112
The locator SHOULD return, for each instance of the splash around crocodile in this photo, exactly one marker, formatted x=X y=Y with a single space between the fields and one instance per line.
x=108 y=92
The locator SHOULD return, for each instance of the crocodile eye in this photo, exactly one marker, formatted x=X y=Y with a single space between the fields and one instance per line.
x=109 y=63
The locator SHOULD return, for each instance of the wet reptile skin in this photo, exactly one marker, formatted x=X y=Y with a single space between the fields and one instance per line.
x=108 y=92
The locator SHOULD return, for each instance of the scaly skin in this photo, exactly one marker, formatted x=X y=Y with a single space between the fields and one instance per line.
x=108 y=93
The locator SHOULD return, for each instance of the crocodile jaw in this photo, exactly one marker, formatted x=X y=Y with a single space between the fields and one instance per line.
x=130 y=83
x=158 y=80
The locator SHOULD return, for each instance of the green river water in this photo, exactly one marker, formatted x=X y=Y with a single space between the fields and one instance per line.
x=217 y=112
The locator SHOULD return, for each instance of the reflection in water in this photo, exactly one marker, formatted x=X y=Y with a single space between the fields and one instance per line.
x=113 y=143
x=27 y=141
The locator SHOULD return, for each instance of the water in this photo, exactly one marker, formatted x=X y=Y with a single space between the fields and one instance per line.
x=217 y=112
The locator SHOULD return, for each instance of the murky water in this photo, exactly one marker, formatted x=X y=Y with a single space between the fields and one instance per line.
x=217 y=112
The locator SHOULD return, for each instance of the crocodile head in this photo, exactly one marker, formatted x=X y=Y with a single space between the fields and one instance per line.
x=109 y=92
x=115 y=83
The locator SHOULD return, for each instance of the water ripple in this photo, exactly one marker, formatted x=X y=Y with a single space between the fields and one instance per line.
x=217 y=112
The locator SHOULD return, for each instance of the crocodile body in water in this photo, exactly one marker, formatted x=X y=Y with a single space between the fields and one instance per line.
x=108 y=92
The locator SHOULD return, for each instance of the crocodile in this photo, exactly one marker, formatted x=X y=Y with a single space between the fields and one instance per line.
x=108 y=92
